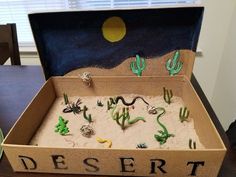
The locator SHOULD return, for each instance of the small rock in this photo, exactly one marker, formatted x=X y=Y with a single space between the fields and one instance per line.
x=152 y=110
x=87 y=131
x=86 y=77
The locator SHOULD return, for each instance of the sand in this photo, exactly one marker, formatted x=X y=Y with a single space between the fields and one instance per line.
x=107 y=128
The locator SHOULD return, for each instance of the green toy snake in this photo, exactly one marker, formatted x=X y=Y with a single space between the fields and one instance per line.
x=163 y=135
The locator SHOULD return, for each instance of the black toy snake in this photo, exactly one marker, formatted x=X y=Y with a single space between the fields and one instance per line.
x=116 y=100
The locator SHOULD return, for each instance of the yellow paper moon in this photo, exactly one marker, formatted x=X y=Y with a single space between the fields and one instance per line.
x=114 y=29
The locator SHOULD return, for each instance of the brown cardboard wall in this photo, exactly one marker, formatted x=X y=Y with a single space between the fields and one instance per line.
x=74 y=86
x=109 y=161
x=30 y=119
x=203 y=124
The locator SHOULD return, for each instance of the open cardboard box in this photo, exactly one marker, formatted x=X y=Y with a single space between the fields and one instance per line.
x=114 y=77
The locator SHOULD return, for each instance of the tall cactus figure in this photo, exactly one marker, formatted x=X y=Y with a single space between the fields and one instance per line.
x=66 y=100
x=87 y=117
x=138 y=69
x=124 y=117
x=173 y=65
x=183 y=114
x=168 y=94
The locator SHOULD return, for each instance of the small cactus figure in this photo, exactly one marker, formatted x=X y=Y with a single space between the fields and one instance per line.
x=183 y=114
x=138 y=69
x=66 y=100
x=109 y=105
x=61 y=126
x=168 y=94
x=173 y=65
x=191 y=142
x=110 y=102
x=89 y=117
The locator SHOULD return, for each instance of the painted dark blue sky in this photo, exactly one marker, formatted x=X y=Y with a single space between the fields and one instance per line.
x=70 y=40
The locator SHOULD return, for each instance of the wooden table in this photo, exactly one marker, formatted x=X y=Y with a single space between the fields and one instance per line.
x=19 y=84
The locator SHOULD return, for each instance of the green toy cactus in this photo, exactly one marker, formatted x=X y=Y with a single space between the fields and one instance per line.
x=191 y=142
x=183 y=114
x=66 y=100
x=89 y=117
x=61 y=126
x=138 y=69
x=163 y=134
x=167 y=95
x=124 y=117
x=110 y=103
x=173 y=65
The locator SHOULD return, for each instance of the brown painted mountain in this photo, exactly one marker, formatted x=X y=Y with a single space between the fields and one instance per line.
x=71 y=40
x=155 y=66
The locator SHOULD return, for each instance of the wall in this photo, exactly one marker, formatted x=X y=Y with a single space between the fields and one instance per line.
x=224 y=95
x=215 y=27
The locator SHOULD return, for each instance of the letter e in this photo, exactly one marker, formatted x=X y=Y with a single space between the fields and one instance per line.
x=124 y=165
x=59 y=159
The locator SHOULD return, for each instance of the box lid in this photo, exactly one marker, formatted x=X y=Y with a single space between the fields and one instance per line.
x=112 y=42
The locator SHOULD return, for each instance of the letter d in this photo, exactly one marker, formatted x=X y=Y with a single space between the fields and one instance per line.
x=28 y=162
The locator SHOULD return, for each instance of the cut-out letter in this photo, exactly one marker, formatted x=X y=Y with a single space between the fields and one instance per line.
x=59 y=159
x=195 y=166
x=125 y=163
x=28 y=162
x=93 y=168
x=160 y=166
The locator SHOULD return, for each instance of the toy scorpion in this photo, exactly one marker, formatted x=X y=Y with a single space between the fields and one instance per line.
x=74 y=107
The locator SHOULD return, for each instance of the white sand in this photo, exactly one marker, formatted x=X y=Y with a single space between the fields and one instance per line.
x=107 y=128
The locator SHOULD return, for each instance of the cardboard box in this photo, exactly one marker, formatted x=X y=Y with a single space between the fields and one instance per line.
x=117 y=78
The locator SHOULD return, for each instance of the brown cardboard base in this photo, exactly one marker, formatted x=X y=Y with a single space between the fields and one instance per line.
x=24 y=157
